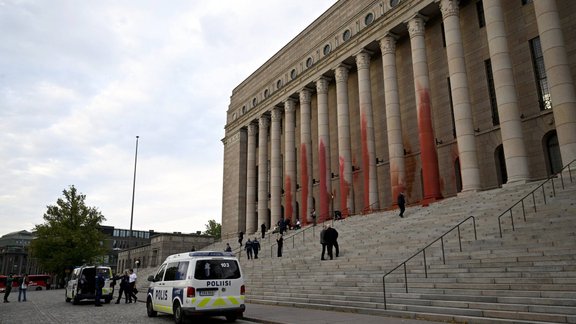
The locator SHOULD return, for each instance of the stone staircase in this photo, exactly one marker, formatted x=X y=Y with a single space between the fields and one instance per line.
x=527 y=276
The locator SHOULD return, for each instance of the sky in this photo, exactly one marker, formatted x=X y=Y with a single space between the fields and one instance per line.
x=79 y=80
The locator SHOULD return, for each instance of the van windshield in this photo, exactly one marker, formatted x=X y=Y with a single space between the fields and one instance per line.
x=217 y=269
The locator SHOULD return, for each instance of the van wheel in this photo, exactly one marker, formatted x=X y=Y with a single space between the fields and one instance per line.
x=150 y=309
x=231 y=318
x=178 y=318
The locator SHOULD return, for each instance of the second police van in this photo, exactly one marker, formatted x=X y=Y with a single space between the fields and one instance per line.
x=197 y=283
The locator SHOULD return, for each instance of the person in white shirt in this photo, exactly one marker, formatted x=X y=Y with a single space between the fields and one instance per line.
x=132 y=286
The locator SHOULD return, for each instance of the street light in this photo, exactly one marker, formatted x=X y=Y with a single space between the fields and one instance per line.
x=132 y=210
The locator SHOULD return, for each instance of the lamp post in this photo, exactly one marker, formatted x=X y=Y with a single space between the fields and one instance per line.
x=132 y=210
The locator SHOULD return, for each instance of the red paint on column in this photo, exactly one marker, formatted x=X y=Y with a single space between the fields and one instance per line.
x=324 y=203
x=288 y=197
x=365 y=159
x=304 y=181
x=429 y=159
x=344 y=188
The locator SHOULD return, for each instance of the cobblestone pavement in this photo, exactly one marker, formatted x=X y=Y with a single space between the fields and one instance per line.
x=49 y=306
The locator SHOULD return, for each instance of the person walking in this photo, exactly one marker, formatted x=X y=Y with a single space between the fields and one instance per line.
x=99 y=284
x=280 y=242
x=329 y=238
x=313 y=216
x=333 y=235
x=263 y=230
x=8 y=289
x=132 y=286
x=240 y=237
x=401 y=204
x=23 y=287
x=123 y=287
x=255 y=247
x=248 y=248
x=323 y=241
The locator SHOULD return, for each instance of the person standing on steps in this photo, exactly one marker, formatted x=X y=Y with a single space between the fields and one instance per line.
x=240 y=237
x=280 y=242
x=313 y=216
x=323 y=241
x=329 y=237
x=332 y=232
x=263 y=230
x=401 y=204
x=248 y=248
x=255 y=247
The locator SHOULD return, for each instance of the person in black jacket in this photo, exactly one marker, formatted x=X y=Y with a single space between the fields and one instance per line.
x=280 y=241
x=330 y=238
x=123 y=287
x=401 y=203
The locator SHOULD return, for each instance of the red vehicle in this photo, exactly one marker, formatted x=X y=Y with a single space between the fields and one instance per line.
x=3 y=283
x=39 y=281
x=36 y=282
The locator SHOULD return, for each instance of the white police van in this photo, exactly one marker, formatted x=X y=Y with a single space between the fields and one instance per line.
x=197 y=283
x=82 y=284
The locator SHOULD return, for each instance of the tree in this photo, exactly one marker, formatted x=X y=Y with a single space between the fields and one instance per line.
x=70 y=235
x=214 y=229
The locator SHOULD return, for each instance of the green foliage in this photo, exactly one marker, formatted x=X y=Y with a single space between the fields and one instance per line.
x=70 y=235
x=214 y=229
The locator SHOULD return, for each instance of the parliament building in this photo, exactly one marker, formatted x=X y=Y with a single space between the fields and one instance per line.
x=432 y=98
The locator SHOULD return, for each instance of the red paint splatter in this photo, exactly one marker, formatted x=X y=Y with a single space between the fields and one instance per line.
x=430 y=173
x=324 y=199
x=288 y=197
x=304 y=181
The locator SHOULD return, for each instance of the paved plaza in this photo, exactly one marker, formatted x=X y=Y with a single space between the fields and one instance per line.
x=49 y=306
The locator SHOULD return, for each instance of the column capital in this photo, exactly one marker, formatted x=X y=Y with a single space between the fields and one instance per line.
x=388 y=44
x=252 y=129
x=322 y=85
x=416 y=25
x=276 y=114
x=449 y=8
x=305 y=96
x=264 y=121
x=341 y=72
x=363 y=59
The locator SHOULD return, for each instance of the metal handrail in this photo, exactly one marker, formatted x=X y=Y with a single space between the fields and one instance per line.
x=369 y=209
x=423 y=251
x=532 y=194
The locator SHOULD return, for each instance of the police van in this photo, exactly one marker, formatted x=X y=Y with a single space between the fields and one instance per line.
x=82 y=284
x=197 y=283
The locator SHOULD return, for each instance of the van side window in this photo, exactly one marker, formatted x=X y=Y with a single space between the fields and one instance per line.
x=182 y=270
x=171 y=272
x=217 y=269
x=160 y=273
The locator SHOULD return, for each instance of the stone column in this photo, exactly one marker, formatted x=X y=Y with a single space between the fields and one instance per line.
x=324 y=146
x=251 y=220
x=289 y=161
x=470 y=171
x=393 y=118
x=367 y=138
x=344 y=147
x=559 y=77
x=305 y=158
x=276 y=167
x=263 y=122
x=508 y=112
x=428 y=157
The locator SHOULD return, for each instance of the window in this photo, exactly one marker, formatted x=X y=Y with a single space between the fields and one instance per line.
x=346 y=35
x=540 y=73
x=243 y=110
x=327 y=49
x=309 y=62
x=293 y=74
x=266 y=93
x=492 y=92
x=176 y=271
x=160 y=274
x=480 y=12
x=254 y=102
x=394 y=3
x=369 y=19
x=443 y=35
x=278 y=84
x=216 y=269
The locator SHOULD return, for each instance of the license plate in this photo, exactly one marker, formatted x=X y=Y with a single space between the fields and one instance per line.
x=206 y=292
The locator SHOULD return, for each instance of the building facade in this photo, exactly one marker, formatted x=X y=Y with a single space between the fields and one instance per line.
x=428 y=97
x=14 y=256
